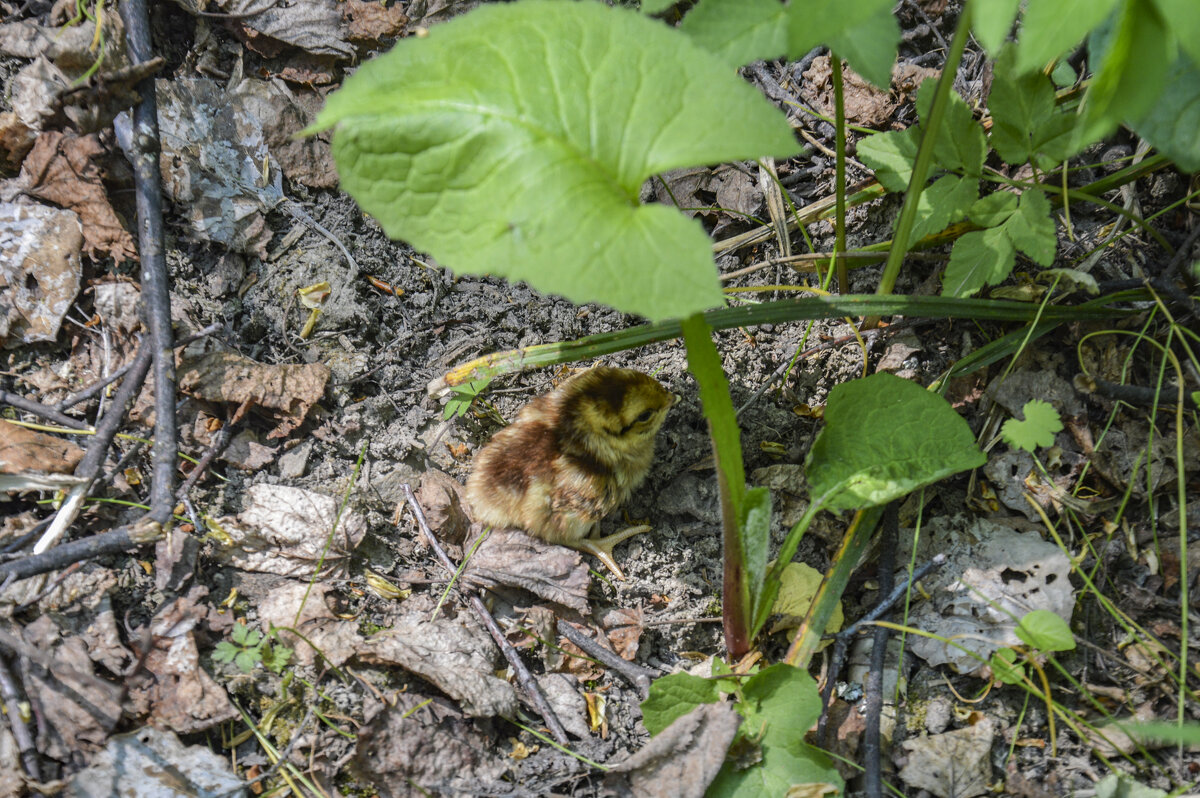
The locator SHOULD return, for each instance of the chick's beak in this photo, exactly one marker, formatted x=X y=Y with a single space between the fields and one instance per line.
x=675 y=399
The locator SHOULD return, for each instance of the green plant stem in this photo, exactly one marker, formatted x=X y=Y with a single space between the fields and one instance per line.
x=705 y=364
x=929 y=135
x=808 y=636
x=839 y=219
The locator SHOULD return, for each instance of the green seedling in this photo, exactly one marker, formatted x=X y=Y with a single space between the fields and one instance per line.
x=462 y=397
x=247 y=648
x=1036 y=430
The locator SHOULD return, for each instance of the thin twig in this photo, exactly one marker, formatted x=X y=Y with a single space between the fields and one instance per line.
x=155 y=296
x=20 y=729
x=636 y=675
x=92 y=390
x=116 y=541
x=41 y=410
x=528 y=683
x=872 y=751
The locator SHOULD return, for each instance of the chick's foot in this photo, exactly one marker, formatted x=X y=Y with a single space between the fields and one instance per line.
x=602 y=548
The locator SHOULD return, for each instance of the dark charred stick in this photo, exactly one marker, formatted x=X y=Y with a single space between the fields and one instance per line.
x=20 y=729
x=211 y=329
x=1139 y=395
x=24 y=540
x=872 y=751
x=156 y=298
x=218 y=445
x=636 y=675
x=528 y=683
x=116 y=541
x=92 y=390
x=40 y=410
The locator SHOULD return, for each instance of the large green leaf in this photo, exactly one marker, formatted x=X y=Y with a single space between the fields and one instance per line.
x=740 y=31
x=1051 y=27
x=885 y=437
x=837 y=23
x=1173 y=123
x=513 y=140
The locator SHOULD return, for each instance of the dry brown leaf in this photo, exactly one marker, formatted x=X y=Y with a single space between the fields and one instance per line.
x=510 y=557
x=63 y=169
x=443 y=498
x=955 y=764
x=282 y=111
x=371 y=22
x=24 y=450
x=424 y=742
x=311 y=25
x=682 y=760
x=39 y=271
x=149 y=762
x=335 y=639
x=16 y=140
x=865 y=104
x=229 y=377
x=624 y=629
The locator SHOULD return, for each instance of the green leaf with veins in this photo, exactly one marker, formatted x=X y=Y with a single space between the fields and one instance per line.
x=673 y=696
x=1045 y=631
x=1051 y=27
x=943 y=203
x=740 y=31
x=991 y=22
x=837 y=23
x=1031 y=229
x=870 y=48
x=890 y=156
x=1040 y=425
x=994 y=209
x=514 y=140
x=980 y=258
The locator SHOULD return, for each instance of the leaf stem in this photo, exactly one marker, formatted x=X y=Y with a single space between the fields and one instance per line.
x=839 y=219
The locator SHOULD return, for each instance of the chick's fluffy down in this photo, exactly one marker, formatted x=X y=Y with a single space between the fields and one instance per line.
x=572 y=456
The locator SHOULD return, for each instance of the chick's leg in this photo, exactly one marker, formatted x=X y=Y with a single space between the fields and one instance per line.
x=602 y=548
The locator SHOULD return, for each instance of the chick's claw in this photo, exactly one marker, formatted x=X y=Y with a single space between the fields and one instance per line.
x=602 y=548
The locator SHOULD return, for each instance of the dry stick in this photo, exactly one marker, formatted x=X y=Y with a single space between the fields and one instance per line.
x=156 y=297
x=218 y=445
x=636 y=675
x=20 y=729
x=92 y=390
x=41 y=410
x=528 y=683
x=116 y=541
x=873 y=704
x=97 y=451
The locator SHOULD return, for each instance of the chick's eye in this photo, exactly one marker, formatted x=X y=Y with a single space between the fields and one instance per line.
x=645 y=416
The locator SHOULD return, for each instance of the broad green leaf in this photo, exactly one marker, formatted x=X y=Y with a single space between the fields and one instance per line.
x=1165 y=732
x=1173 y=124
x=1031 y=228
x=673 y=696
x=885 y=437
x=814 y=22
x=740 y=31
x=798 y=585
x=514 y=139
x=656 y=6
x=1006 y=666
x=991 y=22
x=1185 y=24
x=994 y=209
x=1133 y=51
x=890 y=156
x=961 y=145
x=943 y=203
x=779 y=705
x=978 y=259
x=1045 y=631
x=756 y=541
x=1020 y=105
x=1051 y=27
x=1036 y=430
x=870 y=47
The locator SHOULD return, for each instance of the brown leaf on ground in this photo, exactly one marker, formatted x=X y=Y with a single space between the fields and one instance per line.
x=16 y=140
x=510 y=557
x=70 y=47
x=27 y=450
x=865 y=104
x=443 y=498
x=424 y=746
x=624 y=629
x=370 y=22
x=305 y=70
x=282 y=111
x=709 y=193
x=312 y=25
x=325 y=636
x=955 y=764
x=39 y=271
x=562 y=693
x=455 y=655
x=117 y=304
x=92 y=106
x=287 y=390
x=63 y=168
x=154 y=762
x=681 y=760
x=424 y=13
x=284 y=531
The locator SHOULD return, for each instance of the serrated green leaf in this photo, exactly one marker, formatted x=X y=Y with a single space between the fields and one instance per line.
x=514 y=139
x=246 y=660
x=673 y=696
x=961 y=144
x=1006 y=666
x=870 y=47
x=814 y=22
x=992 y=21
x=1051 y=27
x=994 y=209
x=885 y=437
x=978 y=259
x=1040 y=425
x=740 y=31
x=890 y=156
x=1185 y=24
x=943 y=203
x=1031 y=229
x=755 y=525
x=225 y=652
x=1020 y=104
x=239 y=633
x=1173 y=124
x=1045 y=631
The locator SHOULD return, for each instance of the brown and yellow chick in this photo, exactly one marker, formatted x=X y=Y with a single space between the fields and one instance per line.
x=572 y=457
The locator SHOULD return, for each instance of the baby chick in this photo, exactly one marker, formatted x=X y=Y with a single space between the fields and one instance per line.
x=572 y=457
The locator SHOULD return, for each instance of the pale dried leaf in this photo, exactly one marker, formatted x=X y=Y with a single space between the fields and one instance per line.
x=39 y=271
x=281 y=112
x=312 y=25
x=117 y=303
x=510 y=557
x=955 y=764
x=681 y=760
x=370 y=22
x=443 y=498
x=624 y=630
x=16 y=140
x=283 y=531
x=335 y=639
x=150 y=763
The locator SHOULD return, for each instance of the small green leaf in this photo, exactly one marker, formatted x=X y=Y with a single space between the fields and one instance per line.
x=798 y=585
x=1020 y=105
x=992 y=21
x=1064 y=75
x=1122 y=785
x=277 y=657
x=1007 y=666
x=978 y=259
x=1038 y=429
x=462 y=397
x=740 y=31
x=756 y=541
x=1051 y=27
x=240 y=633
x=961 y=145
x=870 y=48
x=814 y=22
x=225 y=652
x=673 y=696
x=1045 y=631
x=994 y=209
x=885 y=437
x=890 y=156
x=943 y=203
x=1031 y=230
x=246 y=660
x=514 y=140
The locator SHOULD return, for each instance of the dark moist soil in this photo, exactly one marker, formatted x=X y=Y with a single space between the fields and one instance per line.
x=384 y=350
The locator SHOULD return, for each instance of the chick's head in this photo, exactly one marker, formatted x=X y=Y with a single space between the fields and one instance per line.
x=614 y=413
